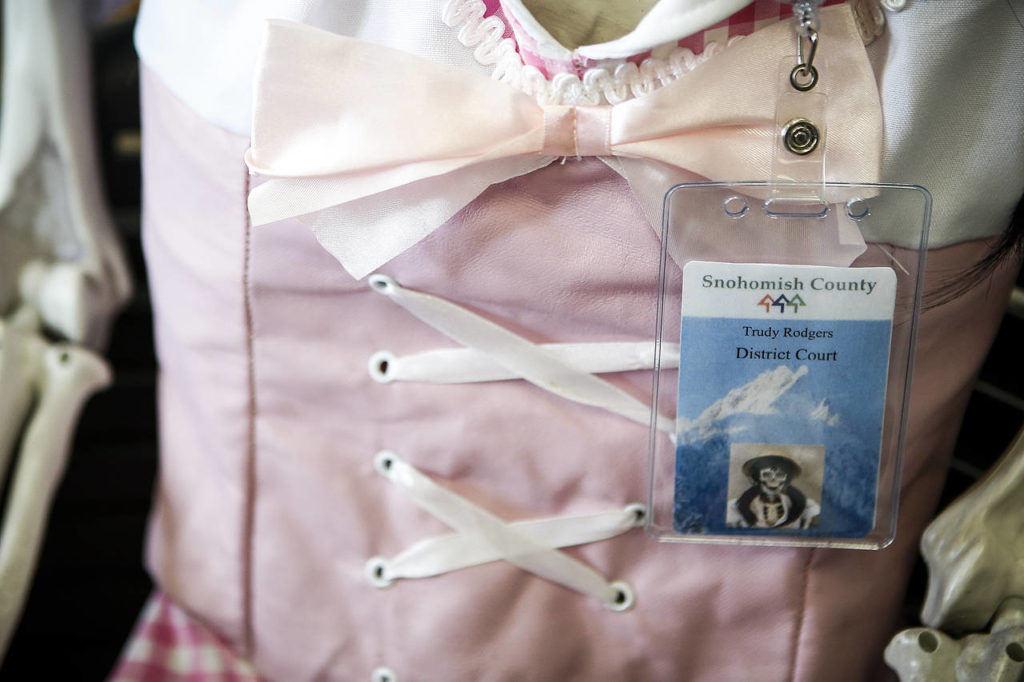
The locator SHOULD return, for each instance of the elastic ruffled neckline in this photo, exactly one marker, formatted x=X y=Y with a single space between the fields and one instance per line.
x=605 y=84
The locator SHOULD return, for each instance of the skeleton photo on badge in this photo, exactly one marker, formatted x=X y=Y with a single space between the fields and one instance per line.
x=770 y=488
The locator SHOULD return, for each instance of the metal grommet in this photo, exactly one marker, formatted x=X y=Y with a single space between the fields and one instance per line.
x=381 y=283
x=622 y=598
x=735 y=207
x=857 y=209
x=380 y=365
x=639 y=512
x=376 y=571
x=894 y=5
x=385 y=461
x=383 y=675
x=801 y=136
x=803 y=71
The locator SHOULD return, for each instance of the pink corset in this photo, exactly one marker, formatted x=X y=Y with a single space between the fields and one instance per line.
x=495 y=538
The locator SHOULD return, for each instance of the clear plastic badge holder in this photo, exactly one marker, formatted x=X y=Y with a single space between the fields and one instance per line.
x=785 y=344
x=785 y=340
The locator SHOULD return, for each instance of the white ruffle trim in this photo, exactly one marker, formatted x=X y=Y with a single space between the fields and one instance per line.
x=598 y=85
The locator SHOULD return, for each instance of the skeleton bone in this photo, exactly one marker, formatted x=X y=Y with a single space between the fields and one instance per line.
x=975 y=548
x=60 y=268
x=928 y=655
x=772 y=481
x=68 y=376
x=56 y=234
x=19 y=361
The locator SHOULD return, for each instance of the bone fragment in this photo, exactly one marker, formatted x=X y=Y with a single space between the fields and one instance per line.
x=929 y=655
x=975 y=549
x=69 y=375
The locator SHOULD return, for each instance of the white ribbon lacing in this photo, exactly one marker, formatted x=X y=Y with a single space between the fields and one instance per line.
x=518 y=356
x=598 y=85
x=493 y=353
x=482 y=537
x=469 y=365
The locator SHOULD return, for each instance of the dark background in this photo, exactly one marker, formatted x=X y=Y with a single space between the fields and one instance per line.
x=90 y=585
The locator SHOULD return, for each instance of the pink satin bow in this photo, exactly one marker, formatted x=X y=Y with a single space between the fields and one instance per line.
x=377 y=148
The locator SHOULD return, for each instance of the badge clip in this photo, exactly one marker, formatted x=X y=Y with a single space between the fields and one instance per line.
x=800 y=125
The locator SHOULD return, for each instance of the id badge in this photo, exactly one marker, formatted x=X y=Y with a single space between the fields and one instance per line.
x=795 y=333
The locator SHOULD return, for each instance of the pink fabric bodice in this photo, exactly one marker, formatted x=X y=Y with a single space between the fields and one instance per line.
x=269 y=505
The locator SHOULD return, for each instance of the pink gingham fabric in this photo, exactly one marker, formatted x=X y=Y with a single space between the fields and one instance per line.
x=754 y=16
x=168 y=645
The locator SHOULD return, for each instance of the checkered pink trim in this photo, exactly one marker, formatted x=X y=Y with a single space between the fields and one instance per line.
x=754 y=16
x=168 y=645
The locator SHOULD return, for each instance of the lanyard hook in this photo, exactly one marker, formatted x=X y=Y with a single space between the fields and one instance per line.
x=804 y=76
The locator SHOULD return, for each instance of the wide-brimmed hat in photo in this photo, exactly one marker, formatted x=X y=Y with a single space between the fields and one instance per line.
x=752 y=467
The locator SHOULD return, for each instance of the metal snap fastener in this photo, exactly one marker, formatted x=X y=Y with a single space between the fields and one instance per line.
x=801 y=136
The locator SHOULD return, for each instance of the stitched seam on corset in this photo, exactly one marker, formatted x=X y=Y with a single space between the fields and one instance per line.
x=249 y=490
x=798 y=631
x=598 y=85
x=575 y=138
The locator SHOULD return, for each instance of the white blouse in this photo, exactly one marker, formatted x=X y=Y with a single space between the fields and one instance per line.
x=950 y=74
